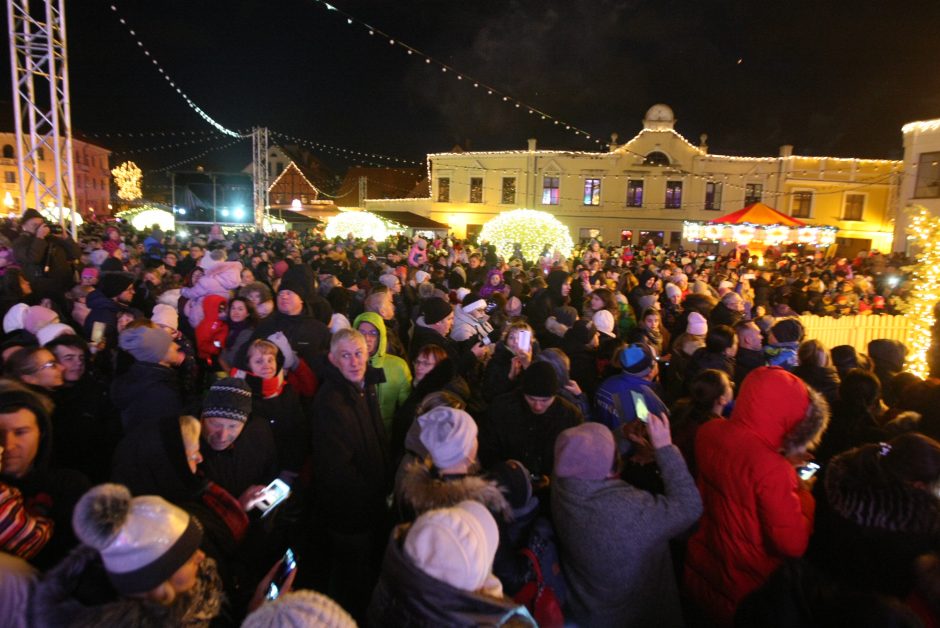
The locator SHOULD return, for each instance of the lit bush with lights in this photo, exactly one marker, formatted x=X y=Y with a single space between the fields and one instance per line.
x=531 y=230
x=360 y=224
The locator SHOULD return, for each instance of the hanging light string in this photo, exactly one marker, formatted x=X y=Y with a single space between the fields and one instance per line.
x=151 y=149
x=346 y=151
x=460 y=76
x=197 y=156
x=205 y=116
x=143 y=134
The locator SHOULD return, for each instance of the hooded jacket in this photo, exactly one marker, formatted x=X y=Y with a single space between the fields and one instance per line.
x=212 y=331
x=756 y=513
x=406 y=596
x=421 y=489
x=394 y=391
x=466 y=326
x=145 y=393
x=102 y=310
x=219 y=279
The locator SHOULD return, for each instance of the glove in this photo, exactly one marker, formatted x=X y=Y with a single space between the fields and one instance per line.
x=290 y=358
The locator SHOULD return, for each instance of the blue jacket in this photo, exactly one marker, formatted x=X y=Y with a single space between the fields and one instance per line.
x=782 y=354
x=613 y=404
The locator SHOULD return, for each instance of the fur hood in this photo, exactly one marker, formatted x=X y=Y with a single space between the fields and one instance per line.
x=53 y=603
x=422 y=492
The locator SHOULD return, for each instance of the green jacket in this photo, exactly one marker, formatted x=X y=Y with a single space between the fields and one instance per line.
x=397 y=386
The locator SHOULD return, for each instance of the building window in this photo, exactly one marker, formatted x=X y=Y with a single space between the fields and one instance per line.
x=854 y=207
x=280 y=168
x=509 y=191
x=753 y=193
x=592 y=191
x=673 y=194
x=476 y=189
x=550 y=190
x=9 y=176
x=712 y=196
x=928 y=176
x=8 y=151
x=635 y=193
x=443 y=190
x=801 y=205
x=656 y=158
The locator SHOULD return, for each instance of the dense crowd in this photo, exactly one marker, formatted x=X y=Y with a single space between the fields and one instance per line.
x=631 y=436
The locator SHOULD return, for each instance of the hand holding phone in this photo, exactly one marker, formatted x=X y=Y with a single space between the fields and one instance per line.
x=524 y=340
x=807 y=471
x=279 y=581
x=639 y=406
x=270 y=497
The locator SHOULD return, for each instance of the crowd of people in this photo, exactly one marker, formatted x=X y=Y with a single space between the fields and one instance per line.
x=282 y=429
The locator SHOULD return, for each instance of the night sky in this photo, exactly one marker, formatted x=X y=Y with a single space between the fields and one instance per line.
x=832 y=78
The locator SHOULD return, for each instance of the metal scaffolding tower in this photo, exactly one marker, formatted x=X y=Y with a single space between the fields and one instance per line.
x=259 y=172
x=42 y=115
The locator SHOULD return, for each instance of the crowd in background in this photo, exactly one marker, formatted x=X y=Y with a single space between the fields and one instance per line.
x=630 y=436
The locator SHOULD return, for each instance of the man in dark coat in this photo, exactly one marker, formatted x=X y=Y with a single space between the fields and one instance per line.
x=150 y=389
x=750 y=353
x=351 y=470
x=432 y=327
x=523 y=424
x=47 y=260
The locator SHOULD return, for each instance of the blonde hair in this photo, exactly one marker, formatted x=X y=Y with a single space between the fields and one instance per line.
x=514 y=327
x=190 y=427
x=262 y=346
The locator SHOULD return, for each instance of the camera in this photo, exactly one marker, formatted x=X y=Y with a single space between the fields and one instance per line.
x=55 y=229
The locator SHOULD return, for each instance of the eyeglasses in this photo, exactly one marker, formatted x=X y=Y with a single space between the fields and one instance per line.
x=374 y=332
x=43 y=367
x=425 y=362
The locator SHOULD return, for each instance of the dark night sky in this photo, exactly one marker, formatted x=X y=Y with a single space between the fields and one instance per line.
x=833 y=78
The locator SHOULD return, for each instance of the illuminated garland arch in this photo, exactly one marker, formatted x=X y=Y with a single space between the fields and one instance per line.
x=360 y=224
x=924 y=233
x=532 y=230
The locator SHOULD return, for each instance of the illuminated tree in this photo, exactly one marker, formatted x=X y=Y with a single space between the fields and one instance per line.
x=924 y=233
x=529 y=230
x=360 y=224
x=127 y=177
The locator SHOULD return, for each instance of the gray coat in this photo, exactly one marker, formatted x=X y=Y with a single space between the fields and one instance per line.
x=614 y=541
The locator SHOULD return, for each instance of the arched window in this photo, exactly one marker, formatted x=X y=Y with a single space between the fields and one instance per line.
x=656 y=158
x=8 y=152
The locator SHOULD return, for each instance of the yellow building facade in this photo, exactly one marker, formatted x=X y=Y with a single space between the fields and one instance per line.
x=645 y=188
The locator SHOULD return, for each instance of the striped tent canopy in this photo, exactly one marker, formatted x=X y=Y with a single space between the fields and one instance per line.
x=758 y=214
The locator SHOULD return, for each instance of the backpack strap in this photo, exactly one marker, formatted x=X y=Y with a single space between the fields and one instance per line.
x=535 y=564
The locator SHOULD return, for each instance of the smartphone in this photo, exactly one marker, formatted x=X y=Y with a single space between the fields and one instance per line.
x=524 y=340
x=808 y=470
x=272 y=495
x=639 y=404
x=287 y=567
x=97 y=332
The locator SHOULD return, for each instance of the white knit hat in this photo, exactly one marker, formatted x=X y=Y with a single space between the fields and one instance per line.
x=15 y=318
x=300 y=608
x=461 y=293
x=50 y=332
x=672 y=290
x=604 y=322
x=388 y=280
x=448 y=434
x=421 y=276
x=142 y=540
x=166 y=316
x=697 y=325
x=455 y=545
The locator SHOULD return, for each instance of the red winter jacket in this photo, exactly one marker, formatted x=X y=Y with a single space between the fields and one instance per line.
x=212 y=331
x=756 y=514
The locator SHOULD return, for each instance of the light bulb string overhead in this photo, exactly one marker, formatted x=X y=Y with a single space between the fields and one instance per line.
x=189 y=101
x=197 y=156
x=347 y=151
x=461 y=76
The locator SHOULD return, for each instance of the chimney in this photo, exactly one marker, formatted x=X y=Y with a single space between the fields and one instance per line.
x=786 y=150
x=531 y=144
x=703 y=142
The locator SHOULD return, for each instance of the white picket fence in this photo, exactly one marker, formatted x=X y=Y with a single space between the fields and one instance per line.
x=856 y=330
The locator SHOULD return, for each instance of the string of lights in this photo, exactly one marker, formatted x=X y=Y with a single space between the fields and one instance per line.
x=460 y=76
x=164 y=133
x=345 y=151
x=151 y=149
x=189 y=101
x=924 y=232
x=199 y=155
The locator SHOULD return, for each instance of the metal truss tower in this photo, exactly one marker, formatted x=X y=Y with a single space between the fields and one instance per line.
x=42 y=114
x=259 y=173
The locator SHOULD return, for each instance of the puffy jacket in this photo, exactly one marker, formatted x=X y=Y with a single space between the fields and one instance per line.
x=220 y=279
x=756 y=513
x=466 y=326
x=394 y=391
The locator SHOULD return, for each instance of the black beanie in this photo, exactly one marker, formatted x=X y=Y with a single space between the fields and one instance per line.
x=228 y=398
x=112 y=284
x=582 y=332
x=29 y=214
x=300 y=280
x=788 y=330
x=540 y=380
x=435 y=310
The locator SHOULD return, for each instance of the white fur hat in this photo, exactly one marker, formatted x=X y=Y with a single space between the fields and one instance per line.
x=50 y=332
x=421 y=276
x=300 y=608
x=15 y=318
x=448 y=434
x=604 y=322
x=455 y=545
x=166 y=316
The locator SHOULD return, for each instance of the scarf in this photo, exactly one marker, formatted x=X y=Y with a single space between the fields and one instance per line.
x=267 y=388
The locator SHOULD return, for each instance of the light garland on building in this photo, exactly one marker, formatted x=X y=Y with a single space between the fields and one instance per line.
x=924 y=232
x=921 y=126
x=767 y=235
x=529 y=230
x=360 y=224
x=272 y=224
x=127 y=177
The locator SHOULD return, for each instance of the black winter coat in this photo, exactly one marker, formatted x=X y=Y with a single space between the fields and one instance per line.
x=250 y=460
x=288 y=422
x=145 y=393
x=47 y=263
x=351 y=463
x=824 y=379
x=308 y=337
x=511 y=431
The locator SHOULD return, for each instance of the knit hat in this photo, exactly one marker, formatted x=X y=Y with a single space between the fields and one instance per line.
x=455 y=545
x=52 y=331
x=648 y=301
x=145 y=343
x=566 y=315
x=540 y=380
x=300 y=280
x=448 y=434
x=581 y=332
x=90 y=272
x=38 y=317
x=15 y=318
x=142 y=540
x=421 y=276
x=388 y=280
x=166 y=316
x=228 y=398
x=787 y=330
x=472 y=302
x=515 y=481
x=435 y=310
x=112 y=284
x=604 y=322
x=461 y=293
x=697 y=325
x=636 y=359
x=305 y=608
x=672 y=290
x=585 y=452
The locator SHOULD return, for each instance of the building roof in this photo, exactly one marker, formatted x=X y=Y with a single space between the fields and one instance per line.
x=381 y=183
x=410 y=219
